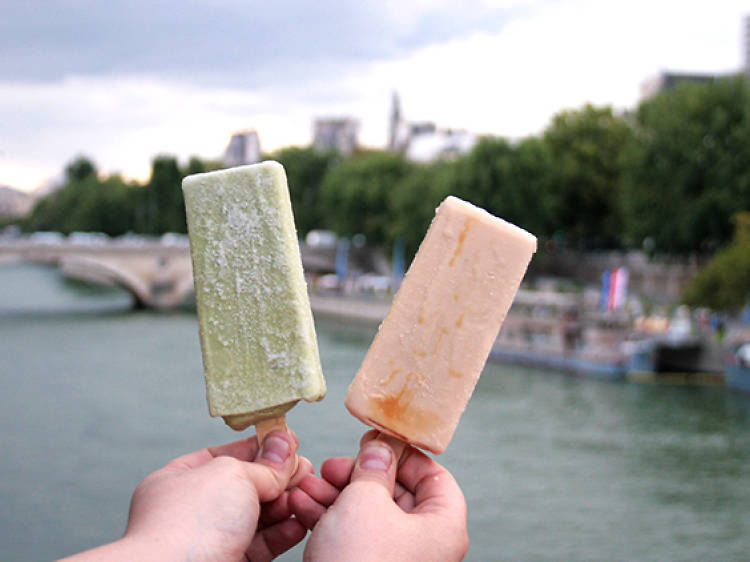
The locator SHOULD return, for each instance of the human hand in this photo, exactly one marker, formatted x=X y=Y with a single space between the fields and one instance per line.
x=228 y=502
x=377 y=508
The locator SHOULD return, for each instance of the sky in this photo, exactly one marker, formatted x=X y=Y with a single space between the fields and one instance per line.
x=123 y=81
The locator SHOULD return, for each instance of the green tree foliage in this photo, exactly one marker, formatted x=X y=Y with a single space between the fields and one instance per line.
x=483 y=176
x=688 y=167
x=585 y=147
x=108 y=208
x=724 y=283
x=305 y=170
x=197 y=165
x=531 y=203
x=509 y=181
x=356 y=195
x=165 y=206
x=414 y=201
x=85 y=203
x=80 y=169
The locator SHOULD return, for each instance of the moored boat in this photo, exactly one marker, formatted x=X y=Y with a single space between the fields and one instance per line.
x=549 y=330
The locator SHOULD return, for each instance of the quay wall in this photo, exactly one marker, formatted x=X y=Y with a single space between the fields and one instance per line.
x=660 y=280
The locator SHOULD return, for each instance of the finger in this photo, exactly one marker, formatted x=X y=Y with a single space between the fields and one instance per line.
x=244 y=449
x=397 y=445
x=274 y=465
x=272 y=541
x=369 y=436
x=337 y=470
x=275 y=511
x=376 y=463
x=320 y=490
x=306 y=510
x=190 y=460
x=404 y=498
x=399 y=490
x=434 y=488
x=304 y=469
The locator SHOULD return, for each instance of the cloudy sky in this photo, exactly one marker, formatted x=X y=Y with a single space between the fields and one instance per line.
x=121 y=81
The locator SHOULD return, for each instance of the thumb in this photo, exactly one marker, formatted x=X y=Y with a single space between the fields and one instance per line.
x=274 y=464
x=377 y=462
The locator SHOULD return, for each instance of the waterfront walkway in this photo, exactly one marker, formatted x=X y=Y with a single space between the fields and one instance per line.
x=366 y=311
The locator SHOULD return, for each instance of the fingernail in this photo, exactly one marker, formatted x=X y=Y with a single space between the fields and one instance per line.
x=375 y=456
x=275 y=449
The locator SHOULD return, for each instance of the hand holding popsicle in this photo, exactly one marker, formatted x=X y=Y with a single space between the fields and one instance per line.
x=218 y=503
x=374 y=508
x=413 y=386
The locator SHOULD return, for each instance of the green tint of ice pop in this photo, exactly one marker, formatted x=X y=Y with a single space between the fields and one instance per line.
x=260 y=352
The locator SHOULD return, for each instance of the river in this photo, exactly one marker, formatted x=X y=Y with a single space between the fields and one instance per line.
x=94 y=396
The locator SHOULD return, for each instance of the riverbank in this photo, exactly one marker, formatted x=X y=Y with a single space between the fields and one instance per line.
x=367 y=311
x=604 y=351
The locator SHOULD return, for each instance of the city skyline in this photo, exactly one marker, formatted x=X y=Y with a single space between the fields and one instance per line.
x=74 y=83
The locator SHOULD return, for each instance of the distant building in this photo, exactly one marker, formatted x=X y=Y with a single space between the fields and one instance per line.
x=423 y=141
x=665 y=81
x=668 y=80
x=336 y=134
x=398 y=128
x=439 y=144
x=243 y=148
x=14 y=203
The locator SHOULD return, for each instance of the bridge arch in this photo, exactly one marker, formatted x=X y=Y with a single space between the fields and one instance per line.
x=158 y=275
x=93 y=269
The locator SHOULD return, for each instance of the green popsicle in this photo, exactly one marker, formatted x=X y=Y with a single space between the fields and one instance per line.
x=260 y=352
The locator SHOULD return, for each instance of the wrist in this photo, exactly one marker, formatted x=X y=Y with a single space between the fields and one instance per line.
x=149 y=548
x=129 y=548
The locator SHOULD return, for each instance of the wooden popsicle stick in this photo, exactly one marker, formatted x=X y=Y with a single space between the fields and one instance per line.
x=264 y=427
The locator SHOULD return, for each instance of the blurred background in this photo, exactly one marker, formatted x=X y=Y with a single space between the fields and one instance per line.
x=613 y=419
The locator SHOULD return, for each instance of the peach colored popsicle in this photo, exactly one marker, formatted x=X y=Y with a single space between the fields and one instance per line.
x=426 y=358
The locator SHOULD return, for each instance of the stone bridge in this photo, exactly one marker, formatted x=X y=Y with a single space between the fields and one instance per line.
x=157 y=273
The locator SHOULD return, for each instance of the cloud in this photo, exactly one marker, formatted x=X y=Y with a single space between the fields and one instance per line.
x=132 y=80
x=226 y=42
x=560 y=55
x=119 y=121
x=122 y=122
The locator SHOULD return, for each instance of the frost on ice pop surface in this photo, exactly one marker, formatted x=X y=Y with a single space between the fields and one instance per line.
x=257 y=334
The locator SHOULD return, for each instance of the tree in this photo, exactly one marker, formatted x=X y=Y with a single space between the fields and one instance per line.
x=80 y=169
x=688 y=166
x=724 y=283
x=414 y=200
x=511 y=182
x=305 y=170
x=165 y=206
x=531 y=202
x=356 y=194
x=483 y=175
x=85 y=203
x=585 y=147
x=198 y=165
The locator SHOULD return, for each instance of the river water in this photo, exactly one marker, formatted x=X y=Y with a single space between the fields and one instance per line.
x=94 y=396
